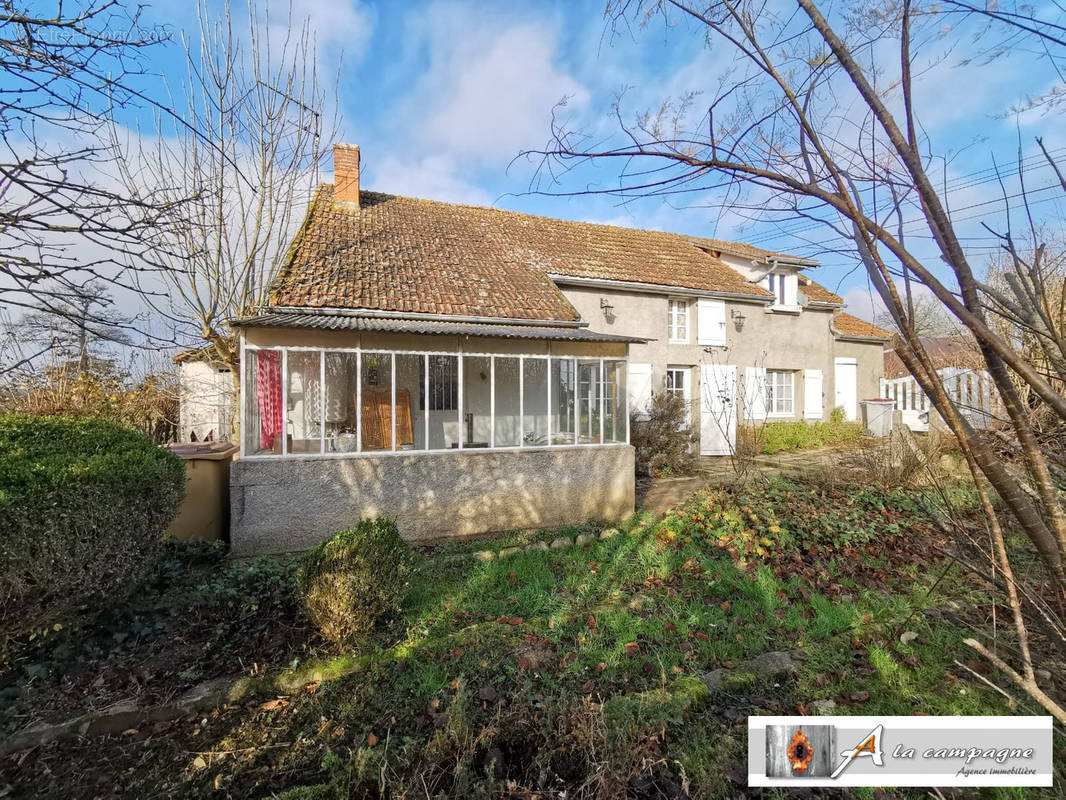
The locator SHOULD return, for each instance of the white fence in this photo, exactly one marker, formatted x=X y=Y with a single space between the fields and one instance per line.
x=970 y=389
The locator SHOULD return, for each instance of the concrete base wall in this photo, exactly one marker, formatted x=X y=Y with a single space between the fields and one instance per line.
x=282 y=505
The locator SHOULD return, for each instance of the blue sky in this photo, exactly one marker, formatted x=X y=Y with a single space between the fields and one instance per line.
x=441 y=96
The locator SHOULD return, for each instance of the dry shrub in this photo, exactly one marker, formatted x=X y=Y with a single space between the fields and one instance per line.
x=150 y=406
x=352 y=580
x=899 y=459
x=665 y=442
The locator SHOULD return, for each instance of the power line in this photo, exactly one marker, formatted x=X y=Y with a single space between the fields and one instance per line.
x=959 y=183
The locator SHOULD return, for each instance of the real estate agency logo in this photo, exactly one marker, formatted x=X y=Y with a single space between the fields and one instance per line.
x=798 y=751
x=827 y=751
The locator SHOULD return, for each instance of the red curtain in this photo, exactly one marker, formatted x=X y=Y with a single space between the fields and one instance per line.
x=268 y=393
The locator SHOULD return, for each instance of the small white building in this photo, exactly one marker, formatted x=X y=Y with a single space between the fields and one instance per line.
x=206 y=397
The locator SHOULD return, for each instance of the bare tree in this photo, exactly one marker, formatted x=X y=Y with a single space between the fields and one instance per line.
x=77 y=329
x=929 y=318
x=806 y=121
x=64 y=218
x=255 y=130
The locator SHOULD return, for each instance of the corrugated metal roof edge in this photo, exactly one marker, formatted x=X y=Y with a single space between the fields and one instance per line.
x=428 y=327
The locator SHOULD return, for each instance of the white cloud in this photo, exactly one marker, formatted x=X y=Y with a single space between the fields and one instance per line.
x=486 y=90
x=491 y=95
x=434 y=177
x=335 y=25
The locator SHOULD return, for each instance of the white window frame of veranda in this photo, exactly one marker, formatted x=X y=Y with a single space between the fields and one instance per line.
x=461 y=355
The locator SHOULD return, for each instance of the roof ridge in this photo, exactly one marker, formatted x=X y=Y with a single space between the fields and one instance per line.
x=685 y=237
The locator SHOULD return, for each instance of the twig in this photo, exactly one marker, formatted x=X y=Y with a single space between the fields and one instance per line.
x=985 y=680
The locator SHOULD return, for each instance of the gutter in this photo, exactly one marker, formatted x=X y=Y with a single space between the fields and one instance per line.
x=793 y=261
x=420 y=316
x=851 y=337
x=656 y=288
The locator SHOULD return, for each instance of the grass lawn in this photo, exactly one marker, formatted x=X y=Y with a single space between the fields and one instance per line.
x=573 y=672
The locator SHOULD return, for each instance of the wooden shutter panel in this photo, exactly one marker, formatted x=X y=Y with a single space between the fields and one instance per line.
x=755 y=393
x=812 y=394
x=639 y=389
x=710 y=319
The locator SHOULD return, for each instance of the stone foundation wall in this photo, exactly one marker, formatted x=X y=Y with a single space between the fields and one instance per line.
x=282 y=505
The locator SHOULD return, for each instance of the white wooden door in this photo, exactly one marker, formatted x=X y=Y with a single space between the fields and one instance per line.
x=718 y=409
x=846 y=378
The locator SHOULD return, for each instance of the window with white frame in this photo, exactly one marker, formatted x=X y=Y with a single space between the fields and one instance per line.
x=776 y=284
x=677 y=321
x=316 y=401
x=779 y=392
x=784 y=289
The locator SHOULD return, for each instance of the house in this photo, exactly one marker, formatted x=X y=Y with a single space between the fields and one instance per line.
x=962 y=371
x=205 y=397
x=467 y=369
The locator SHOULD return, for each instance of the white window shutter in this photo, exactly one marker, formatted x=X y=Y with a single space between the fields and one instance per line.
x=812 y=394
x=755 y=393
x=791 y=289
x=639 y=389
x=710 y=318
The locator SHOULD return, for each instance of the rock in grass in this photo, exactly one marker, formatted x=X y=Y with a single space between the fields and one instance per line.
x=715 y=678
x=484 y=555
x=538 y=546
x=908 y=636
x=821 y=706
x=509 y=551
x=770 y=664
x=561 y=543
x=607 y=533
x=584 y=538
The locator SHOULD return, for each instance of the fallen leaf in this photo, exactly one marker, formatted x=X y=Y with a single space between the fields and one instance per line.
x=632 y=648
x=371 y=740
x=588 y=687
x=670 y=626
x=725 y=605
x=515 y=620
x=274 y=705
x=524 y=664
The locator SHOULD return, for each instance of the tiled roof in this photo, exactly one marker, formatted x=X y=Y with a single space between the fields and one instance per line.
x=406 y=255
x=951 y=351
x=847 y=325
x=397 y=254
x=743 y=250
x=816 y=293
x=350 y=322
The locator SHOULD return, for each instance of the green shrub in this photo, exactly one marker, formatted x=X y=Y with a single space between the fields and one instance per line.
x=665 y=442
x=354 y=579
x=774 y=437
x=84 y=503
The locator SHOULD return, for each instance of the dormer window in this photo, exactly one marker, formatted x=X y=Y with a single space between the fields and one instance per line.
x=783 y=286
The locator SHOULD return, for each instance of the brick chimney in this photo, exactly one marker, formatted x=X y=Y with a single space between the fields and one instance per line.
x=346 y=176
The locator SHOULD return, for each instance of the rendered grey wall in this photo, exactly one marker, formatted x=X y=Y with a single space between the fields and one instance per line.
x=774 y=340
x=282 y=505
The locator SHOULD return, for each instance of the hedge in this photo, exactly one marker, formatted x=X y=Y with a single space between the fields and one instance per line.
x=355 y=578
x=84 y=504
